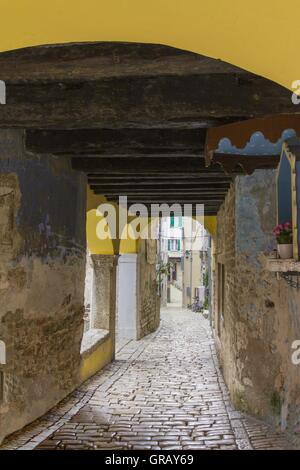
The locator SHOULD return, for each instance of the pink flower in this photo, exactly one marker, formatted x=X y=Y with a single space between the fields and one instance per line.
x=283 y=232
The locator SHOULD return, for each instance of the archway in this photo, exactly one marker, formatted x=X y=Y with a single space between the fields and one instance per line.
x=131 y=118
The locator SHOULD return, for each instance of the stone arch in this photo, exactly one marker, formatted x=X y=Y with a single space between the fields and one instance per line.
x=53 y=134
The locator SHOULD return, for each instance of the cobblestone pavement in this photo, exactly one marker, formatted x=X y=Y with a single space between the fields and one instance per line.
x=163 y=392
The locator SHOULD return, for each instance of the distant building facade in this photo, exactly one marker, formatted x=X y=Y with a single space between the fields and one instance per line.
x=183 y=246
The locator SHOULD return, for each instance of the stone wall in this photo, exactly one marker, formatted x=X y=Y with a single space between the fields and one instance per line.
x=148 y=299
x=262 y=314
x=42 y=271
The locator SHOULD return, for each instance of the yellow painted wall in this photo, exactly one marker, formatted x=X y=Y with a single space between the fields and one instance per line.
x=210 y=223
x=103 y=247
x=102 y=356
x=260 y=36
x=96 y=246
x=126 y=245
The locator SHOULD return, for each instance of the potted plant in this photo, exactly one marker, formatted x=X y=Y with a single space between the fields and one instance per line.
x=284 y=237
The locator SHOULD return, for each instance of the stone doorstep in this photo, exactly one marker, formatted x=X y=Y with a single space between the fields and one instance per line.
x=91 y=341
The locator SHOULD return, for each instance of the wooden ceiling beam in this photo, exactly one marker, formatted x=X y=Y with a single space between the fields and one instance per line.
x=116 y=141
x=157 y=178
x=171 y=199
x=102 y=60
x=142 y=102
x=161 y=194
x=161 y=165
x=168 y=189
x=146 y=185
x=213 y=210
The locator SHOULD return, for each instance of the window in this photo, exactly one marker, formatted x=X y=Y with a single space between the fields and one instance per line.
x=288 y=190
x=172 y=221
x=169 y=245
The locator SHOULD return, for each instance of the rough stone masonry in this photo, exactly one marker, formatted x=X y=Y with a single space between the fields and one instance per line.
x=260 y=319
x=42 y=270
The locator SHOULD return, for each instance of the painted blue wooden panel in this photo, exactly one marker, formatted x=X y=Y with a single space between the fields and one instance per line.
x=258 y=144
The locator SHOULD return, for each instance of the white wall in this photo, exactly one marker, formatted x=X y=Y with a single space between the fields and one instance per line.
x=127 y=296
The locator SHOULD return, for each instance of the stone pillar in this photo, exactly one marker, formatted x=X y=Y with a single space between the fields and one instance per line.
x=127 y=297
x=103 y=308
x=89 y=279
x=148 y=316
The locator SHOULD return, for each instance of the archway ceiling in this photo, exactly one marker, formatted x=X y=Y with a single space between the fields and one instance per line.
x=120 y=85
x=133 y=116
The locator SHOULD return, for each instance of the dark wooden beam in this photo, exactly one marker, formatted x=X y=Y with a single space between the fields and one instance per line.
x=167 y=189
x=143 y=153
x=105 y=60
x=116 y=85
x=162 y=101
x=163 y=194
x=162 y=165
x=184 y=199
x=160 y=188
x=245 y=163
x=213 y=210
x=213 y=205
x=156 y=178
x=152 y=184
x=116 y=141
x=208 y=210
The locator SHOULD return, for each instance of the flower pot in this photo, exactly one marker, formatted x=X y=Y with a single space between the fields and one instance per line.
x=285 y=250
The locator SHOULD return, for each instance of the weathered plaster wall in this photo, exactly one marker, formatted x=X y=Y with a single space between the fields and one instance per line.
x=148 y=299
x=42 y=271
x=262 y=314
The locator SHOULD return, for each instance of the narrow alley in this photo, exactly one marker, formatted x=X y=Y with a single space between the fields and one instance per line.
x=157 y=394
